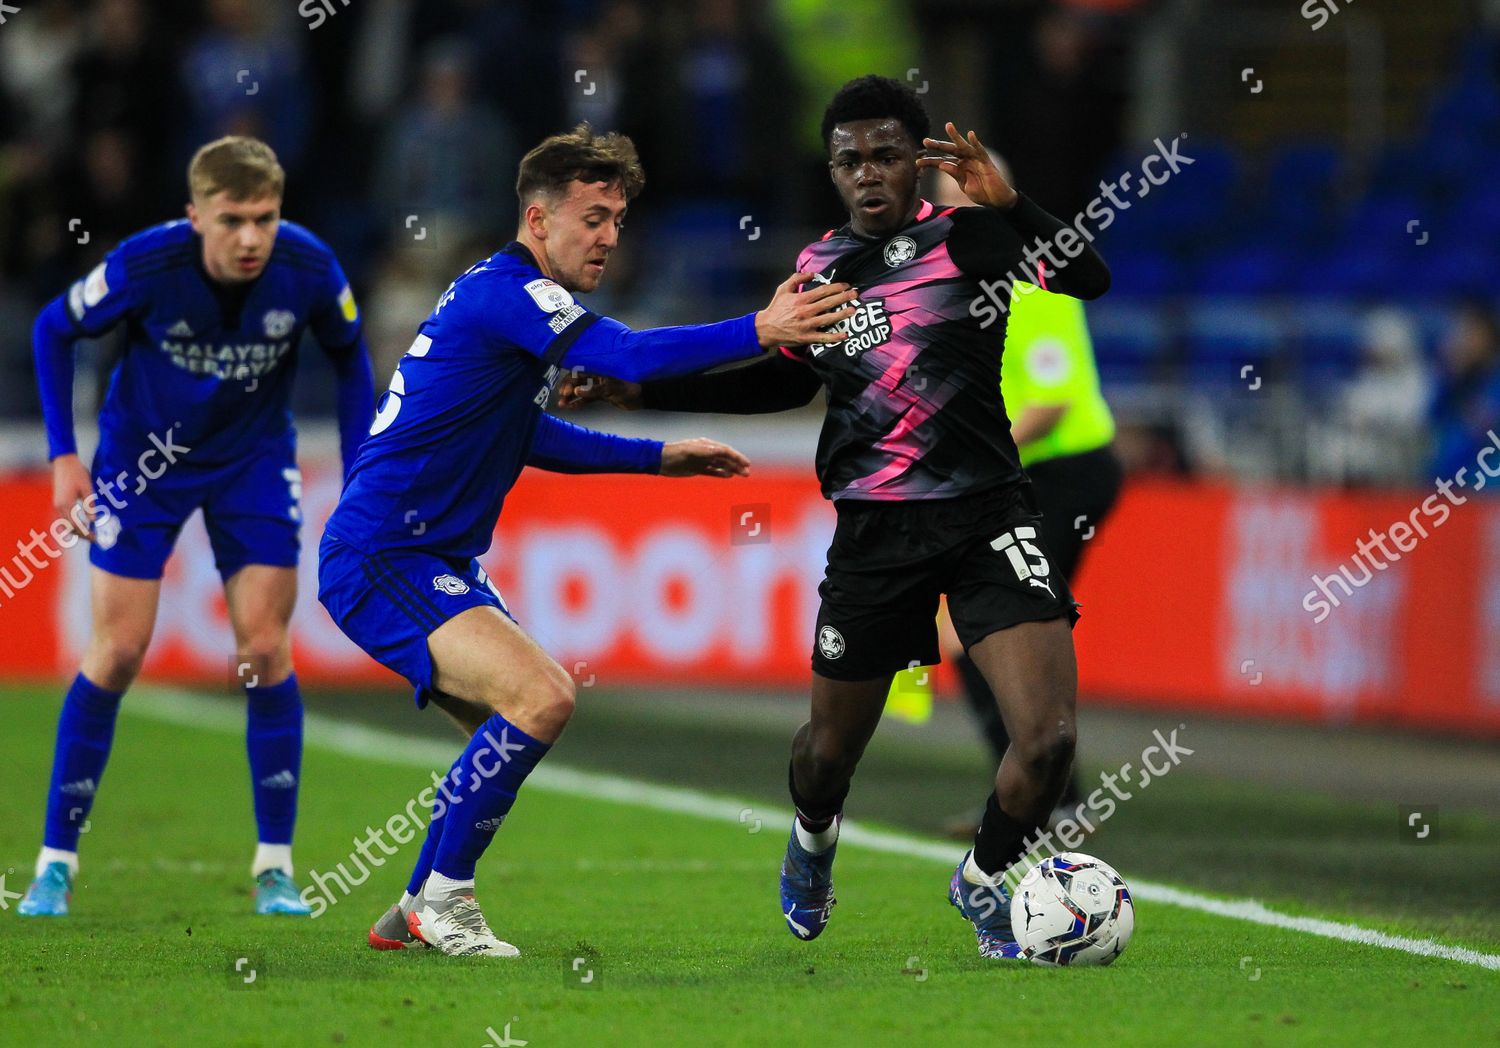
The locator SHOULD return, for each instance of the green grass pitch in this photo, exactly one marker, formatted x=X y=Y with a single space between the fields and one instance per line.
x=674 y=914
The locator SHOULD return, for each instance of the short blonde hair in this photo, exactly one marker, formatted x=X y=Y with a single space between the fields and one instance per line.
x=245 y=168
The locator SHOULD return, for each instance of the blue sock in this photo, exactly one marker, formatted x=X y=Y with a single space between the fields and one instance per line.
x=490 y=772
x=434 y=834
x=85 y=731
x=273 y=738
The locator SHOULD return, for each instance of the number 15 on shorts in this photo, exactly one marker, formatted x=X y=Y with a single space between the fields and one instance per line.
x=1017 y=545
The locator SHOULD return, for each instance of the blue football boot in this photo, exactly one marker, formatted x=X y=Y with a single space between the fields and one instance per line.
x=988 y=910
x=275 y=893
x=806 y=888
x=49 y=894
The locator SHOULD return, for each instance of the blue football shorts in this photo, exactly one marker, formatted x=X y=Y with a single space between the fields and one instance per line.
x=389 y=603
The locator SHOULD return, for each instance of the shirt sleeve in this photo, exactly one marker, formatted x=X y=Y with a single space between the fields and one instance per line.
x=335 y=320
x=336 y=324
x=52 y=340
x=773 y=383
x=102 y=299
x=1026 y=244
x=542 y=318
x=562 y=447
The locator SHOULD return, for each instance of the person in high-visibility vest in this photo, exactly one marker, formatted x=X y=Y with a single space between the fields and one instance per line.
x=1065 y=433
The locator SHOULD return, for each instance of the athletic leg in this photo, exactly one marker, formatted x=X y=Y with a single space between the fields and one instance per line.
x=123 y=615
x=825 y=752
x=481 y=658
x=260 y=598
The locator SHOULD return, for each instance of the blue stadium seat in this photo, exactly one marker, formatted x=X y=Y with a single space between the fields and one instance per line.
x=1257 y=269
x=1142 y=271
x=1132 y=343
x=1226 y=336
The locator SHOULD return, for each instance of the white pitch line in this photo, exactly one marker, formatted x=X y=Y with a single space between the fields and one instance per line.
x=358 y=740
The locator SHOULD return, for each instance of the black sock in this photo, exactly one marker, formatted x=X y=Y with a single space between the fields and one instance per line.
x=815 y=815
x=1001 y=840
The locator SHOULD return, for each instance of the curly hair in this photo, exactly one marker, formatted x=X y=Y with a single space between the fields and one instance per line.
x=872 y=97
x=580 y=155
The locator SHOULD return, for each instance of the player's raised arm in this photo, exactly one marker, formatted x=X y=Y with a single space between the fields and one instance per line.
x=1021 y=240
x=91 y=307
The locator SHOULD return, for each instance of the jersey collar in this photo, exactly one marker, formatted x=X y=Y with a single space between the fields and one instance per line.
x=925 y=210
x=516 y=249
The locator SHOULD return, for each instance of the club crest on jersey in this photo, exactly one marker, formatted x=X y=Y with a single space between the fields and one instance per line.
x=549 y=295
x=830 y=642
x=451 y=585
x=278 y=322
x=899 y=250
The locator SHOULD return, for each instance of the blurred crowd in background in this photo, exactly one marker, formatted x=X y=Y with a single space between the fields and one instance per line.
x=1312 y=299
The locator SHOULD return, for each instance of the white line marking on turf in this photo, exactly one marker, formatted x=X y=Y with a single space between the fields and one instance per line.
x=358 y=740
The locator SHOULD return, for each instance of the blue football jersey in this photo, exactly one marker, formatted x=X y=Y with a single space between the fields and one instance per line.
x=455 y=428
x=213 y=362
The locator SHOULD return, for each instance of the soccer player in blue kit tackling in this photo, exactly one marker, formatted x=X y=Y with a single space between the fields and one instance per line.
x=215 y=306
x=463 y=415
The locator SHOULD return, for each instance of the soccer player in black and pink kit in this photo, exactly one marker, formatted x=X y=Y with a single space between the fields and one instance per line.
x=917 y=457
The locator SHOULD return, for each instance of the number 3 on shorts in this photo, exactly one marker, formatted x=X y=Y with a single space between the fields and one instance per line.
x=1017 y=545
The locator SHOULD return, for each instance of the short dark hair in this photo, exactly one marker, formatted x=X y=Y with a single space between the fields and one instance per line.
x=579 y=155
x=873 y=97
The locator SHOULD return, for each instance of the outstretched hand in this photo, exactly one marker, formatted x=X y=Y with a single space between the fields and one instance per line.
x=700 y=457
x=965 y=159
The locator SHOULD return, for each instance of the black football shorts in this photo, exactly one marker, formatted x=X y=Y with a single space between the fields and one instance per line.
x=890 y=562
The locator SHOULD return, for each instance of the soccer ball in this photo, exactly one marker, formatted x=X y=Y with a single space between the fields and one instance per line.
x=1072 y=909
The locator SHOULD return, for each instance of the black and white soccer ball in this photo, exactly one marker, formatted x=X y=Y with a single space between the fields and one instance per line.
x=1072 y=909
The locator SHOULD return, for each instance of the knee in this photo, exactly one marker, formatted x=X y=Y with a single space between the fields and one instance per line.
x=1046 y=749
x=541 y=704
x=264 y=656
x=824 y=756
x=115 y=659
x=558 y=696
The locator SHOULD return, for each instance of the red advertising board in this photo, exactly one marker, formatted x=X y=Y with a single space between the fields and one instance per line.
x=1194 y=595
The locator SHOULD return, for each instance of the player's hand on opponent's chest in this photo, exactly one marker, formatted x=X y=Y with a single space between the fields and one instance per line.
x=802 y=318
